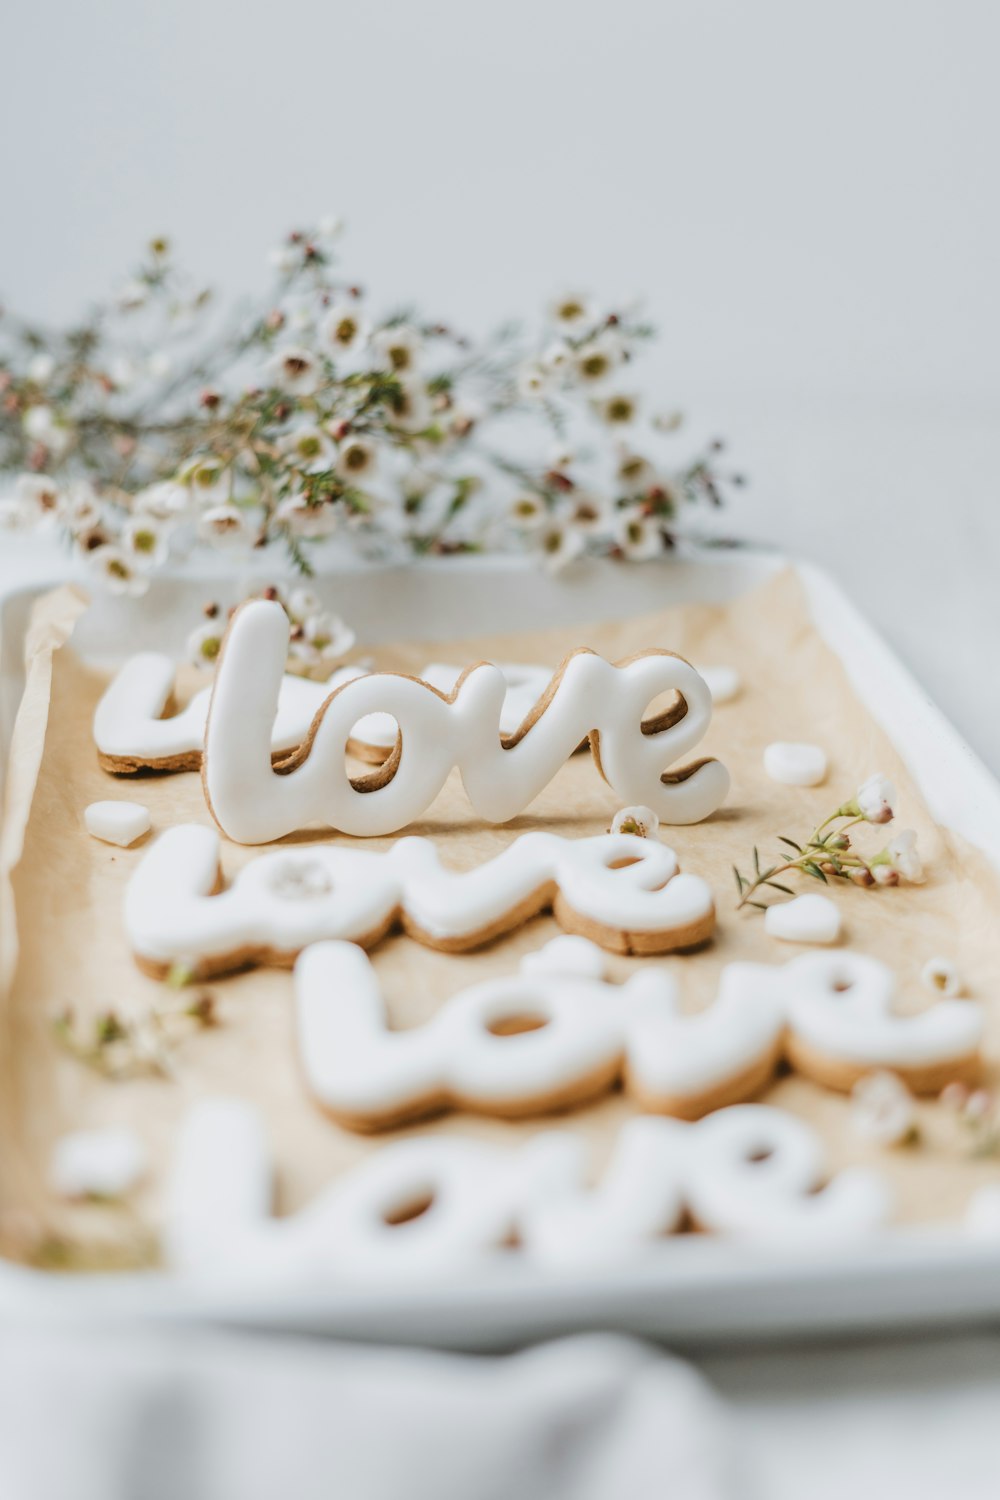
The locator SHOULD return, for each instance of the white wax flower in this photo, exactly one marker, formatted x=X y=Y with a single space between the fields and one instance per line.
x=205 y=643
x=899 y=858
x=940 y=975
x=356 y=459
x=883 y=1109
x=344 y=328
x=296 y=371
x=876 y=799
x=146 y=540
x=117 y=570
x=642 y=821
x=224 y=526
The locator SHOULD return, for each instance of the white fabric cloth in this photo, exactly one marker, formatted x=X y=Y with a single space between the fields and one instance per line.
x=212 y=1415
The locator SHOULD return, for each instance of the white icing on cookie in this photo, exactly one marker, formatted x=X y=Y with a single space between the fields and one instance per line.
x=525 y=685
x=253 y=805
x=841 y=1006
x=753 y=1171
x=286 y=899
x=677 y=1060
x=583 y=1032
x=433 y=1206
x=795 y=764
x=639 y=1198
x=118 y=823
x=221 y=1185
x=128 y=722
x=811 y=918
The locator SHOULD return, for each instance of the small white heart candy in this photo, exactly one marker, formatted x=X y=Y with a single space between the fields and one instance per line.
x=576 y=956
x=97 y=1163
x=806 y=919
x=117 y=822
x=795 y=764
x=723 y=682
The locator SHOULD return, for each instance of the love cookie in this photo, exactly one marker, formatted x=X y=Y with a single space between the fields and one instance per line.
x=434 y=1206
x=842 y=1023
x=625 y=893
x=132 y=734
x=550 y=1038
x=254 y=803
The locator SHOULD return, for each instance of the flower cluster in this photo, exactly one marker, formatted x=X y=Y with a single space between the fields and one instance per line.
x=318 y=640
x=827 y=854
x=155 y=426
x=978 y=1112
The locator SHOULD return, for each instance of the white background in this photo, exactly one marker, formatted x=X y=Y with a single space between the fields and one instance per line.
x=806 y=194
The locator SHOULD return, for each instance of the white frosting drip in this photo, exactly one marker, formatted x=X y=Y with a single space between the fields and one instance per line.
x=477 y=1197
x=288 y=898
x=253 y=804
x=357 y=1068
x=128 y=723
x=841 y=1004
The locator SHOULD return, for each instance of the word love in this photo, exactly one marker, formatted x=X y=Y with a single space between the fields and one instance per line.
x=550 y=1038
x=558 y=1035
x=623 y=892
x=525 y=684
x=255 y=804
x=131 y=733
x=432 y=1206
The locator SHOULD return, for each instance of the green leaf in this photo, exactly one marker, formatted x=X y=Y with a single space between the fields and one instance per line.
x=777 y=886
x=811 y=868
x=760 y=905
x=756 y=860
x=741 y=882
x=790 y=842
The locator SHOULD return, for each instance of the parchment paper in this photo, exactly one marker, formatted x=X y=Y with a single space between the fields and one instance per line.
x=63 y=944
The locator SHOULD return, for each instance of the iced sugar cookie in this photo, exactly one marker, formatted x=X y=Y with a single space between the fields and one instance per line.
x=375 y=737
x=436 y=1206
x=502 y=775
x=625 y=893
x=547 y=1039
x=132 y=734
x=842 y=1024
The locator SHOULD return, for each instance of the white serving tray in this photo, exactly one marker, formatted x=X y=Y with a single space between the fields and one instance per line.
x=693 y=1290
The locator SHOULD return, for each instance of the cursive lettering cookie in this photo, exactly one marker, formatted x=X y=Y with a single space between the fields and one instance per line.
x=132 y=734
x=550 y=1038
x=375 y=738
x=625 y=893
x=842 y=1024
x=434 y=1206
x=255 y=803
